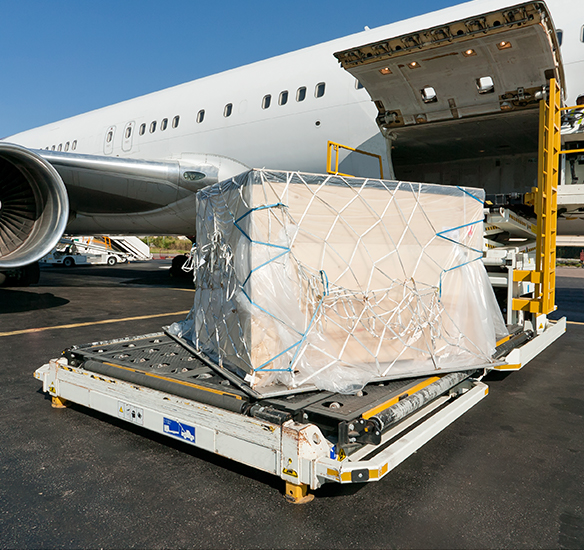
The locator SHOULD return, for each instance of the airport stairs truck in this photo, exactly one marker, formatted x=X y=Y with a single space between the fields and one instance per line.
x=340 y=322
x=102 y=250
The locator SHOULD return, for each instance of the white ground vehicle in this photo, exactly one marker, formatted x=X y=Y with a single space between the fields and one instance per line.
x=83 y=251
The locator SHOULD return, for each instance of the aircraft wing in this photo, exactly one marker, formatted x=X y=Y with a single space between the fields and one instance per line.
x=43 y=193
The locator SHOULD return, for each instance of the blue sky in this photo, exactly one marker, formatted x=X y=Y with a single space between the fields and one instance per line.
x=64 y=57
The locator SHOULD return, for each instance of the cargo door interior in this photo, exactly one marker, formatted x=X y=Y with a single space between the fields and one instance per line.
x=465 y=91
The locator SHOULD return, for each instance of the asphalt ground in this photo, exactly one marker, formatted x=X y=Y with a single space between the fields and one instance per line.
x=508 y=474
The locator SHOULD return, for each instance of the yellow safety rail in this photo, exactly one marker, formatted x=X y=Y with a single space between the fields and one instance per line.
x=332 y=146
x=579 y=108
x=546 y=209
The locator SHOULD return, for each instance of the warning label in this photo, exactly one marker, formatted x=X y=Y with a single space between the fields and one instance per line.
x=131 y=413
x=179 y=429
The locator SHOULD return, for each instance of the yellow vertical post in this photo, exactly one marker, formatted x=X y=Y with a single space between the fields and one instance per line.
x=547 y=197
x=546 y=209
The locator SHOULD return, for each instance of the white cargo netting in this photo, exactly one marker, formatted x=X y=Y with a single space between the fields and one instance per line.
x=336 y=281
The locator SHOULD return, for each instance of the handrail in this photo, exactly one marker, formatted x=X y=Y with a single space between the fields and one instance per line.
x=331 y=145
x=569 y=151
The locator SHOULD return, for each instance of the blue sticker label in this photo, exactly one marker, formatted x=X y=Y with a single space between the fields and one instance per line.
x=178 y=429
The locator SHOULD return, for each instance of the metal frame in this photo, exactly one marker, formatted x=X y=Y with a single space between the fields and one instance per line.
x=519 y=357
x=546 y=209
x=297 y=453
x=332 y=146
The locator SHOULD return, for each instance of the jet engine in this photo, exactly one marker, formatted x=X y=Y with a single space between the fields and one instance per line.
x=34 y=207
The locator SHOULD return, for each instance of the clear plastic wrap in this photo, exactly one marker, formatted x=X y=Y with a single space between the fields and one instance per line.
x=335 y=281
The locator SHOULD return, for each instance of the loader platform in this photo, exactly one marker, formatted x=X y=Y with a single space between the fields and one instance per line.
x=306 y=438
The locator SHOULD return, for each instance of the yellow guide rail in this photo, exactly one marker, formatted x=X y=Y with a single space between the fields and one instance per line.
x=332 y=146
x=546 y=209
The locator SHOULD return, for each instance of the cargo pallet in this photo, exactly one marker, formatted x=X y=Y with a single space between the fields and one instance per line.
x=307 y=439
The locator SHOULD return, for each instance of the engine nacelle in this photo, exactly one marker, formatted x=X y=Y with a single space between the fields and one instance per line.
x=34 y=207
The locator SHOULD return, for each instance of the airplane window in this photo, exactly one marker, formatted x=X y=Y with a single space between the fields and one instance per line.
x=153 y=127
x=60 y=147
x=128 y=132
x=175 y=121
x=319 y=90
x=228 y=110
x=142 y=128
x=582 y=35
x=560 y=35
x=67 y=146
x=266 y=101
x=164 y=124
x=109 y=136
x=301 y=94
x=429 y=94
x=52 y=147
x=74 y=145
x=201 y=115
x=485 y=85
x=283 y=97
x=358 y=85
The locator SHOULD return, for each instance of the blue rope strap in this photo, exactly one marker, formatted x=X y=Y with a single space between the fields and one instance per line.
x=470 y=194
x=298 y=344
x=444 y=271
x=286 y=250
x=441 y=235
x=325 y=293
x=263 y=207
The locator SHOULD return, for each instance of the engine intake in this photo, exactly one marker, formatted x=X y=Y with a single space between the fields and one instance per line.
x=34 y=207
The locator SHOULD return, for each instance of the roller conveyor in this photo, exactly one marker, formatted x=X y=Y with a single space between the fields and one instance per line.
x=306 y=438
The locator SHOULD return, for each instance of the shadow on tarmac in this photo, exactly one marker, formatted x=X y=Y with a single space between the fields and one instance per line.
x=139 y=274
x=15 y=301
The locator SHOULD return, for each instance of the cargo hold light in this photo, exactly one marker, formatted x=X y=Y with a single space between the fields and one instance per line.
x=485 y=85
x=469 y=53
x=504 y=45
x=414 y=65
x=385 y=70
x=429 y=94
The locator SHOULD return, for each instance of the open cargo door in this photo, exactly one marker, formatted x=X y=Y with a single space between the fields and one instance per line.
x=461 y=90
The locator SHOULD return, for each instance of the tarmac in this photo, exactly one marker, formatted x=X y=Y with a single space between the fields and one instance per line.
x=508 y=474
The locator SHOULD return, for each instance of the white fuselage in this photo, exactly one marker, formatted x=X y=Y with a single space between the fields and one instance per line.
x=291 y=136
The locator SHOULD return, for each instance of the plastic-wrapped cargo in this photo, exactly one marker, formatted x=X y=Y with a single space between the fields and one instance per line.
x=305 y=279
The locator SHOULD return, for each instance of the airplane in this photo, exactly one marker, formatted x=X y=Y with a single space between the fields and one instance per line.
x=447 y=97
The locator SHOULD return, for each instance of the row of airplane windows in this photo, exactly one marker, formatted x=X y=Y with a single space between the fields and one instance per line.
x=319 y=91
x=142 y=130
x=72 y=145
x=227 y=111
